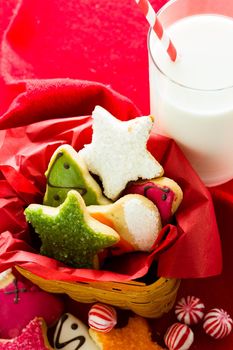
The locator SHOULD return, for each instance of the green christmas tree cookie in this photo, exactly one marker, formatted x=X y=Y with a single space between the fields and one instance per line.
x=66 y=171
x=68 y=233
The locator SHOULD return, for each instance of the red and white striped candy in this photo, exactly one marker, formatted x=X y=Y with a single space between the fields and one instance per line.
x=102 y=318
x=189 y=310
x=217 y=323
x=179 y=337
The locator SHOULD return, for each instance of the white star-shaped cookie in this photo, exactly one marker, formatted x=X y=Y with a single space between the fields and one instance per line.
x=118 y=153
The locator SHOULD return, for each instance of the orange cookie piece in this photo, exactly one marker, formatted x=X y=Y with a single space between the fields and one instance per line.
x=136 y=335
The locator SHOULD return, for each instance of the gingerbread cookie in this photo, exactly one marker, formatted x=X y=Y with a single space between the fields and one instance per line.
x=66 y=171
x=134 y=217
x=118 y=153
x=33 y=337
x=72 y=334
x=136 y=335
x=165 y=193
x=68 y=233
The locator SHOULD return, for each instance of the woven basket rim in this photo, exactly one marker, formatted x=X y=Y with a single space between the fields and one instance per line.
x=145 y=300
x=131 y=284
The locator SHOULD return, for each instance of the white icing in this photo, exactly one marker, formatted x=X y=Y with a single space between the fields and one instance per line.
x=143 y=223
x=118 y=152
x=68 y=335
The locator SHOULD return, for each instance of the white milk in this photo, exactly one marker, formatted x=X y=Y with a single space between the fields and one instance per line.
x=192 y=99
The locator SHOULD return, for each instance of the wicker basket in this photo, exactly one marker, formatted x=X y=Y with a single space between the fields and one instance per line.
x=150 y=301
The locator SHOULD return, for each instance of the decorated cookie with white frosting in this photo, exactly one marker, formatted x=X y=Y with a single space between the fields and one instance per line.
x=118 y=151
x=135 y=218
x=165 y=193
x=72 y=334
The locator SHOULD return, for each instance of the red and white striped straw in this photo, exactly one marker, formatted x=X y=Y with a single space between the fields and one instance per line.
x=155 y=24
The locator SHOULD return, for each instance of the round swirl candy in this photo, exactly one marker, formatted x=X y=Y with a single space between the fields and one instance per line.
x=178 y=337
x=217 y=323
x=102 y=318
x=189 y=310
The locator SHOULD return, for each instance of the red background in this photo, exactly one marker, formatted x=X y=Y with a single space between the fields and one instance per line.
x=105 y=41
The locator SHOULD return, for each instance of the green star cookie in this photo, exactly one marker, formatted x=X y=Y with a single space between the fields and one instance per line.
x=68 y=233
x=66 y=171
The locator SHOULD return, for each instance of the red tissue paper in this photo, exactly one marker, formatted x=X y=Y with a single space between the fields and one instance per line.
x=47 y=113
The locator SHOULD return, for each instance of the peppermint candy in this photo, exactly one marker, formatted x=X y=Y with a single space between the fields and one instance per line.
x=178 y=337
x=217 y=323
x=189 y=310
x=102 y=318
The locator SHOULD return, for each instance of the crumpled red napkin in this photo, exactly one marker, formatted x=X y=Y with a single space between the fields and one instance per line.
x=58 y=38
x=48 y=113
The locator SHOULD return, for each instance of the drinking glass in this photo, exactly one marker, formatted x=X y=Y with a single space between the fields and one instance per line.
x=198 y=115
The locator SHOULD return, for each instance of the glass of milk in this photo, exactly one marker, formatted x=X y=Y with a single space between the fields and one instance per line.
x=192 y=98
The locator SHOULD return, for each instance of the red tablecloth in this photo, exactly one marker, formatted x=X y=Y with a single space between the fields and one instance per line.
x=104 y=41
